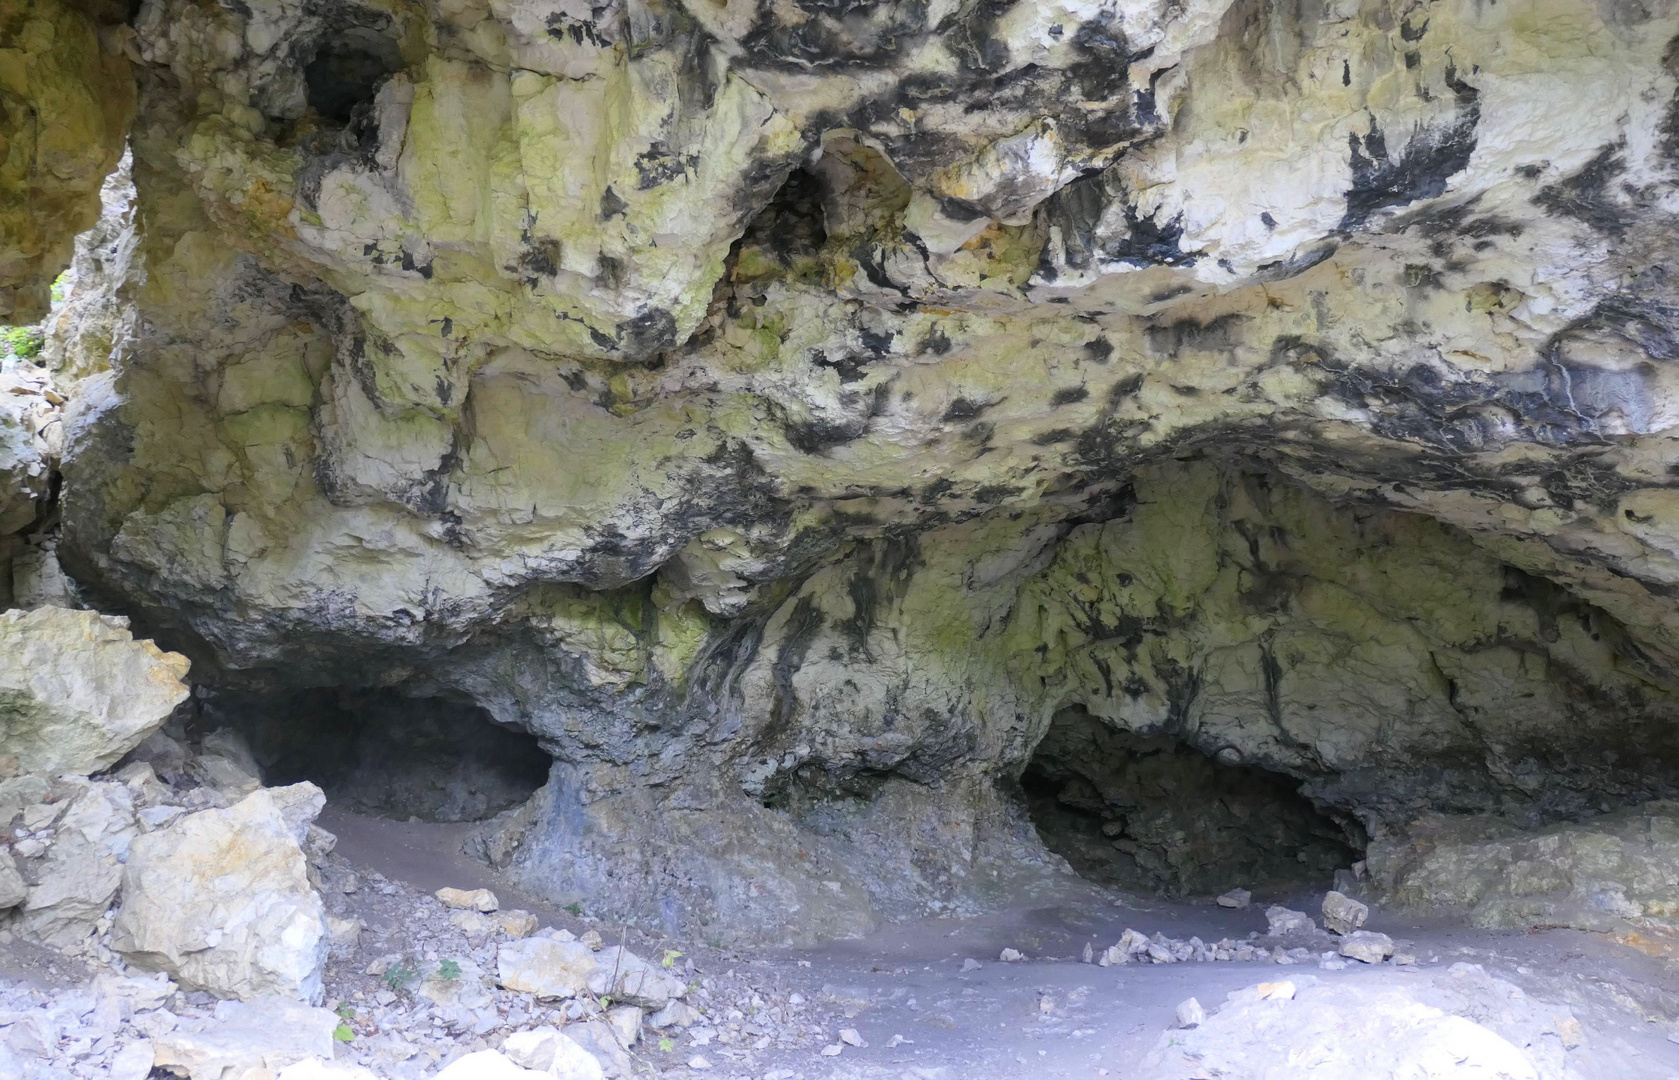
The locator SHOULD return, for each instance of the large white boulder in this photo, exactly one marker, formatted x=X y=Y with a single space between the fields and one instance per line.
x=221 y=899
x=77 y=692
x=488 y=1065
x=549 y=1050
x=269 y=1033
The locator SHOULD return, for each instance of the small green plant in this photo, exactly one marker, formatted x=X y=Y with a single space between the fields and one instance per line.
x=60 y=287
x=23 y=342
x=667 y=1044
x=400 y=974
x=346 y=1015
x=449 y=970
x=671 y=957
x=575 y=909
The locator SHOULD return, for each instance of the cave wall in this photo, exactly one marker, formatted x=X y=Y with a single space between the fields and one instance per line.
x=66 y=98
x=783 y=416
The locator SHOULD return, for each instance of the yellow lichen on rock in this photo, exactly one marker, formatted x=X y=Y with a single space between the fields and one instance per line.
x=66 y=96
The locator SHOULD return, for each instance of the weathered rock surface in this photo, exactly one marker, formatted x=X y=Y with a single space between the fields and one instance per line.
x=268 y=1032
x=547 y=1050
x=69 y=95
x=1342 y=914
x=1366 y=946
x=77 y=691
x=221 y=899
x=77 y=877
x=550 y=968
x=1607 y=873
x=1350 y=1031
x=907 y=403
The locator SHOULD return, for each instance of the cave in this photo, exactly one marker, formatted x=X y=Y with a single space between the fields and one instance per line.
x=379 y=753
x=793 y=472
x=1149 y=813
x=346 y=71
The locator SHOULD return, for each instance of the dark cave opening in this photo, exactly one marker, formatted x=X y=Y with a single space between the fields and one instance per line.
x=380 y=753
x=346 y=71
x=1150 y=813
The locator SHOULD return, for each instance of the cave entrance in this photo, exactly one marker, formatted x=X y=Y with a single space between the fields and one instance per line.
x=380 y=753
x=347 y=69
x=1147 y=812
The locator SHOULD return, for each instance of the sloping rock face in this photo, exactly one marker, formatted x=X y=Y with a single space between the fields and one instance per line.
x=66 y=98
x=222 y=901
x=785 y=412
x=77 y=692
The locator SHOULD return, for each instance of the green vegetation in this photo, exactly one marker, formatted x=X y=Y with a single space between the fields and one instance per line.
x=346 y=1015
x=449 y=970
x=401 y=973
x=23 y=342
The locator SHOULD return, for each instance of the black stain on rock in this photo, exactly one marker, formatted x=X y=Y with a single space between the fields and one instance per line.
x=1586 y=195
x=1421 y=170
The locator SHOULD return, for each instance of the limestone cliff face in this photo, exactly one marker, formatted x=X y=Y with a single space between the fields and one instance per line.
x=66 y=96
x=785 y=411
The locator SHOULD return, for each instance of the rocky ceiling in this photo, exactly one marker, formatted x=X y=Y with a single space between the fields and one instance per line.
x=784 y=411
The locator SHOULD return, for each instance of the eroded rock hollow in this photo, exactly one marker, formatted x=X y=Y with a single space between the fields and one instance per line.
x=784 y=466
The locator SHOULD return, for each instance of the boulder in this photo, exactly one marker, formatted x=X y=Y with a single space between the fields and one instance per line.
x=635 y=981
x=1235 y=898
x=268 y=1032
x=1365 y=1030
x=316 y=1069
x=79 y=873
x=482 y=900
x=599 y=1039
x=549 y=968
x=1342 y=914
x=487 y=1065
x=1282 y=921
x=1611 y=873
x=77 y=692
x=1367 y=946
x=134 y=1061
x=12 y=888
x=553 y=1052
x=675 y=1014
x=221 y=899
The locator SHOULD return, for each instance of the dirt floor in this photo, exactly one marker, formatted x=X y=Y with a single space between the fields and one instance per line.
x=914 y=994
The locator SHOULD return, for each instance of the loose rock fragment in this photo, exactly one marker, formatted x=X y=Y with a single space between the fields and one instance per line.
x=1368 y=946
x=674 y=1014
x=1190 y=1013
x=552 y=1051
x=1284 y=921
x=549 y=968
x=1235 y=898
x=1342 y=914
x=481 y=900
